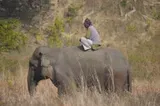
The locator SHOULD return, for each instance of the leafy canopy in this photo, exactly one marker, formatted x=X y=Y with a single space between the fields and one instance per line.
x=11 y=38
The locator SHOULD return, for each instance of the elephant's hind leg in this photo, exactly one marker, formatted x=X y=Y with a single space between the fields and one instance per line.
x=109 y=81
x=120 y=81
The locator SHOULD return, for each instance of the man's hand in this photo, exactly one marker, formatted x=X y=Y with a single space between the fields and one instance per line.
x=88 y=34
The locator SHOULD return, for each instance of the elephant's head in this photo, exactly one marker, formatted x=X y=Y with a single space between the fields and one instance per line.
x=39 y=68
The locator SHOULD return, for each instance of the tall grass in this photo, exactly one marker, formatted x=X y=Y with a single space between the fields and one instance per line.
x=145 y=60
x=15 y=93
x=146 y=85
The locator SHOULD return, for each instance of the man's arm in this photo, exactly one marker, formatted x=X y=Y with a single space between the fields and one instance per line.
x=88 y=34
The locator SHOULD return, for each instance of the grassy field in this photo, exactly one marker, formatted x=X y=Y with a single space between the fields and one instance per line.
x=14 y=93
x=135 y=32
x=146 y=83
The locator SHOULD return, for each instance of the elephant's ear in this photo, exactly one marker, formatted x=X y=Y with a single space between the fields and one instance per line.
x=45 y=62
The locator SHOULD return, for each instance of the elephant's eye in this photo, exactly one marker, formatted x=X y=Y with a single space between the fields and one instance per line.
x=33 y=68
x=31 y=65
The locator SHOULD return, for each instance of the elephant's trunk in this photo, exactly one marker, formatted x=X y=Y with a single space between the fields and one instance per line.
x=31 y=81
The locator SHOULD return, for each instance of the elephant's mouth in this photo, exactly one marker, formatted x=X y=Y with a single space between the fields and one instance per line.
x=47 y=72
x=32 y=67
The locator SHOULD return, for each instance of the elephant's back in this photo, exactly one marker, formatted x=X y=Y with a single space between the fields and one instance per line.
x=101 y=55
x=77 y=60
x=75 y=53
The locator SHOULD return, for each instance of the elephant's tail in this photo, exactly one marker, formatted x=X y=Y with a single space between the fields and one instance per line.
x=129 y=80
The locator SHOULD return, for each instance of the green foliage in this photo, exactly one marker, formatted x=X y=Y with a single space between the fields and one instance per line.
x=70 y=40
x=123 y=3
x=156 y=15
x=131 y=28
x=37 y=34
x=39 y=37
x=10 y=36
x=55 y=33
x=72 y=12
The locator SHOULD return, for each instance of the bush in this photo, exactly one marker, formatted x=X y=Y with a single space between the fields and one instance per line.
x=11 y=38
x=131 y=27
x=156 y=15
x=72 y=12
x=55 y=33
x=123 y=3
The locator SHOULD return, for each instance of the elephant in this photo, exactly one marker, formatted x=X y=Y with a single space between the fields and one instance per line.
x=68 y=68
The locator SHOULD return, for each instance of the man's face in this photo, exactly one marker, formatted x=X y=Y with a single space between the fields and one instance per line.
x=86 y=25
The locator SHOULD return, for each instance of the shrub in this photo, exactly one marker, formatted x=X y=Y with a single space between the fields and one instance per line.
x=39 y=37
x=72 y=12
x=70 y=40
x=156 y=15
x=123 y=3
x=11 y=38
x=55 y=33
x=131 y=28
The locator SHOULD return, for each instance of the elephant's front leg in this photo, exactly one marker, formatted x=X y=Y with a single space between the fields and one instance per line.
x=66 y=86
x=64 y=79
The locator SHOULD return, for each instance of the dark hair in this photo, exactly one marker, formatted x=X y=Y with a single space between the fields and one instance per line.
x=87 y=23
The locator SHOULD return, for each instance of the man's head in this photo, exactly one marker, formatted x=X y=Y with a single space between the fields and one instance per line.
x=87 y=23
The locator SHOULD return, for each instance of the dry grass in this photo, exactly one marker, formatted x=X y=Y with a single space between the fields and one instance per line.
x=115 y=30
x=146 y=85
x=14 y=92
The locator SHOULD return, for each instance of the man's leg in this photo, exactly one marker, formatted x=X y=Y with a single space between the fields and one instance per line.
x=86 y=43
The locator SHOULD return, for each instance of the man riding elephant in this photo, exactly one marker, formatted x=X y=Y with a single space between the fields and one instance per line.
x=92 y=39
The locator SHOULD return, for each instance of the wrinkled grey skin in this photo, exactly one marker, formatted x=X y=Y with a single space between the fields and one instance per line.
x=70 y=68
